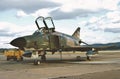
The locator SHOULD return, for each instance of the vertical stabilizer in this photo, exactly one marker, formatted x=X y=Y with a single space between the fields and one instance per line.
x=76 y=34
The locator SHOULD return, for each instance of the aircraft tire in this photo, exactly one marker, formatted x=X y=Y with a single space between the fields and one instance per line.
x=37 y=62
x=89 y=58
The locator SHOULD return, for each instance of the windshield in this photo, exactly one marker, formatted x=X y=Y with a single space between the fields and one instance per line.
x=38 y=32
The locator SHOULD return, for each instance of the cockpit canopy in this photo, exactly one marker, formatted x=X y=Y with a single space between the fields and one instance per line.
x=45 y=23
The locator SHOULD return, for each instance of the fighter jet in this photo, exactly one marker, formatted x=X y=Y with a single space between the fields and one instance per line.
x=46 y=38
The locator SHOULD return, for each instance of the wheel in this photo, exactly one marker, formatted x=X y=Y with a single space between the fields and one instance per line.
x=37 y=62
x=89 y=58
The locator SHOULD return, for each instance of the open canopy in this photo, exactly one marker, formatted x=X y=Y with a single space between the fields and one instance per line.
x=46 y=23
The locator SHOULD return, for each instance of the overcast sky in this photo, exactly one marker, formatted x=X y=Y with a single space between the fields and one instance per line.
x=99 y=19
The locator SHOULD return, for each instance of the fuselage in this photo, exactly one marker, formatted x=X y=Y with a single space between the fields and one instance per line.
x=46 y=38
x=41 y=40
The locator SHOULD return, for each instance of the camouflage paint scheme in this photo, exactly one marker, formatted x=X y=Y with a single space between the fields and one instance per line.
x=47 y=39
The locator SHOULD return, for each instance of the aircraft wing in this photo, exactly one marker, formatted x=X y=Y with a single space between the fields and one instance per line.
x=88 y=48
x=82 y=48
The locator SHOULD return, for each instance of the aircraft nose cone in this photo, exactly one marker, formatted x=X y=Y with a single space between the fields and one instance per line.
x=18 y=42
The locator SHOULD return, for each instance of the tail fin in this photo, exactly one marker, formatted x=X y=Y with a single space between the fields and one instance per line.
x=76 y=34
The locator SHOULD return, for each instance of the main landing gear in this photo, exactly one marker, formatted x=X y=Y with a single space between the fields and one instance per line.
x=89 y=54
x=43 y=57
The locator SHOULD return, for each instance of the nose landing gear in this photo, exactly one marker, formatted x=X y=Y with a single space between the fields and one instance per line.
x=42 y=55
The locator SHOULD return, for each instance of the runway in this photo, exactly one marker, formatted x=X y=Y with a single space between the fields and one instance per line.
x=104 y=64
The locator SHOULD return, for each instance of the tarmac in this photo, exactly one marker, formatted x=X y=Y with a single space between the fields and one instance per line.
x=105 y=65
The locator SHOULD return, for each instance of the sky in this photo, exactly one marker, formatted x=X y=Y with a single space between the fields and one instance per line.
x=99 y=20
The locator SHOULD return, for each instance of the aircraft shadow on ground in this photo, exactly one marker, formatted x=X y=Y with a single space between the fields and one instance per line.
x=28 y=61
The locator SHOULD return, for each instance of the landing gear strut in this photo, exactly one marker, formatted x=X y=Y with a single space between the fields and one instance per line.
x=42 y=55
x=35 y=55
x=89 y=54
x=43 y=58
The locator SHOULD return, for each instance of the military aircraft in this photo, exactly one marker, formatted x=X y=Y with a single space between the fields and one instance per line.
x=46 y=38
